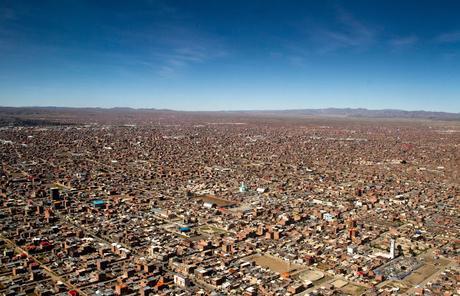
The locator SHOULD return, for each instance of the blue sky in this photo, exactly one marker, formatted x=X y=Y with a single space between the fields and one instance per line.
x=231 y=55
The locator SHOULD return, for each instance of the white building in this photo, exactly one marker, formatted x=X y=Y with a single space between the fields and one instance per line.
x=351 y=249
x=181 y=280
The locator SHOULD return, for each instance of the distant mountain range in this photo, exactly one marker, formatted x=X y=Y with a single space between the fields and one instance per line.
x=65 y=115
x=361 y=112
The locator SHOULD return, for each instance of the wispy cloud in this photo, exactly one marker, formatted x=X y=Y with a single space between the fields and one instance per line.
x=181 y=57
x=316 y=37
x=163 y=45
x=352 y=34
x=401 y=43
x=448 y=37
x=170 y=47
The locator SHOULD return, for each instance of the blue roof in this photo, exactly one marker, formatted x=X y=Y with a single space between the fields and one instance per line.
x=98 y=202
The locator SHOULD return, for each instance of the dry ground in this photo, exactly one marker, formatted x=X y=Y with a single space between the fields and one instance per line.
x=275 y=264
x=218 y=201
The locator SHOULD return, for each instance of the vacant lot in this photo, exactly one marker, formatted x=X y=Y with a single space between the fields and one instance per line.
x=420 y=274
x=218 y=201
x=311 y=275
x=208 y=229
x=352 y=289
x=396 y=284
x=425 y=271
x=275 y=264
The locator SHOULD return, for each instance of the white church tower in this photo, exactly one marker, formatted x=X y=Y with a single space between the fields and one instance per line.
x=392 y=249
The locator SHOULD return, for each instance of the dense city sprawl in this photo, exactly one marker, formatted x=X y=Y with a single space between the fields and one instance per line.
x=230 y=205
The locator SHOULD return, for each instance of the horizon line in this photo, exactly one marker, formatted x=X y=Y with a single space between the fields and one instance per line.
x=229 y=110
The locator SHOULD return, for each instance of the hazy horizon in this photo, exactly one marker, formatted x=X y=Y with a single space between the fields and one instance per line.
x=224 y=110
